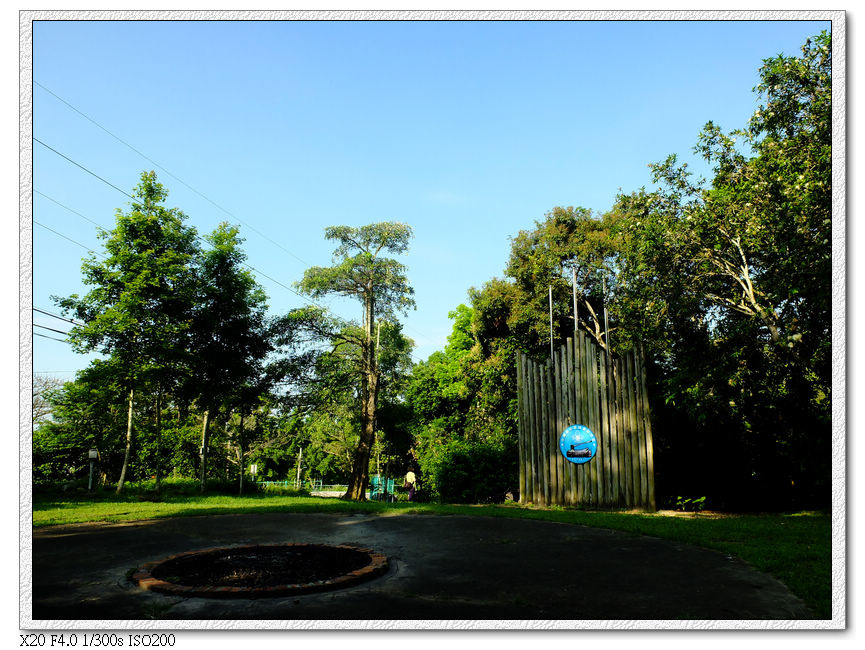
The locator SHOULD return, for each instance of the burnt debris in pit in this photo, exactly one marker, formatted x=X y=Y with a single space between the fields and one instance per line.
x=261 y=570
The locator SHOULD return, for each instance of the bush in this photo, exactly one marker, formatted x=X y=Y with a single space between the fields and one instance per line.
x=472 y=472
x=174 y=486
x=282 y=490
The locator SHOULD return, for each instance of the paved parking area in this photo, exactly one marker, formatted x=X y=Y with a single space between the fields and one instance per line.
x=441 y=569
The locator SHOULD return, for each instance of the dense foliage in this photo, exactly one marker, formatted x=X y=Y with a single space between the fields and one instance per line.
x=725 y=282
x=727 y=285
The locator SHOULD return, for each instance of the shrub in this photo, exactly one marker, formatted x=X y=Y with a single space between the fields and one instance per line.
x=472 y=472
x=176 y=486
x=282 y=490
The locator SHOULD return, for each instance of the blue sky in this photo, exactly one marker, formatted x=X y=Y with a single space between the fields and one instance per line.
x=467 y=131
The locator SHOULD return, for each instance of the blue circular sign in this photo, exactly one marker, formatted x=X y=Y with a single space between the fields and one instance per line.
x=578 y=444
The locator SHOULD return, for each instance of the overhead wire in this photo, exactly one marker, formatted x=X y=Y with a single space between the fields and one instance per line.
x=180 y=180
x=58 y=317
x=82 y=167
x=198 y=237
x=185 y=184
x=77 y=243
x=44 y=336
x=66 y=207
x=50 y=329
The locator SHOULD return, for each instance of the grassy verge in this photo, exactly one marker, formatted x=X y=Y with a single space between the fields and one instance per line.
x=795 y=548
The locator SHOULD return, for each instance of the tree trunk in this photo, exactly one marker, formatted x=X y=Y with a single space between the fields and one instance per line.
x=369 y=394
x=205 y=430
x=158 y=434
x=128 y=444
x=240 y=451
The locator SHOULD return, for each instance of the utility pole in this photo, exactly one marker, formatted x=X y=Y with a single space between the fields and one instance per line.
x=606 y=322
x=551 y=322
x=576 y=312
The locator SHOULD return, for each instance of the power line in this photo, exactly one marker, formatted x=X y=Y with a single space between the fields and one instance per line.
x=82 y=167
x=50 y=329
x=48 y=313
x=178 y=179
x=77 y=243
x=250 y=267
x=49 y=337
x=66 y=207
x=184 y=183
x=198 y=237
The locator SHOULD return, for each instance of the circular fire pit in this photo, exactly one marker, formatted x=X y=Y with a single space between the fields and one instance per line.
x=261 y=570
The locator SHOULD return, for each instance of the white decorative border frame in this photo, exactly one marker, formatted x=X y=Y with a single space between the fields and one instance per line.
x=839 y=339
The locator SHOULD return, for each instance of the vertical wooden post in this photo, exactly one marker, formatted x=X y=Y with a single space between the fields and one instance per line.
x=598 y=462
x=650 y=453
x=555 y=419
x=543 y=464
x=530 y=431
x=590 y=418
x=521 y=428
x=563 y=424
x=585 y=403
x=641 y=435
x=604 y=435
x=614 y=447
x=623 y=434
x=537 y=481
x=572 y=419
x=551 y=425
x=634 y=446
x=591 y=396
x=627 y=470
x=561 y=407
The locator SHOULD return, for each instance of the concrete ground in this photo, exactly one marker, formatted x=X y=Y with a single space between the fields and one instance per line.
x=441 y=568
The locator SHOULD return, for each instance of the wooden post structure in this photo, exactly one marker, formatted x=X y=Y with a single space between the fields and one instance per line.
x=583 y=383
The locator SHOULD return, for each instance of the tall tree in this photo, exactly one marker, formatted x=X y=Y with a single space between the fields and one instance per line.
x=730 y=282
x=138 y=310
x=361 y=271
x=570 y=243
x=228 y=334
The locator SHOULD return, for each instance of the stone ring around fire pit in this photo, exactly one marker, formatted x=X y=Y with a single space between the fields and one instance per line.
x=258 y=571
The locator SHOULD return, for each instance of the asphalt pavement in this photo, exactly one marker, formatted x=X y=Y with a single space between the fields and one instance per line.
x=441 y=568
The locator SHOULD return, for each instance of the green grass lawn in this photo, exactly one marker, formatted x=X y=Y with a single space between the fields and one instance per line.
x=795 y=548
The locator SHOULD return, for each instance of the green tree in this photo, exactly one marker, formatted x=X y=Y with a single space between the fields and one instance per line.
x=569 y=245
x=86 y=412
x=440 y=387
x=730 y=281
x=138 y=310
x=228 y=339
x=463 y=402
x=325 y=399
x=360 y=271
